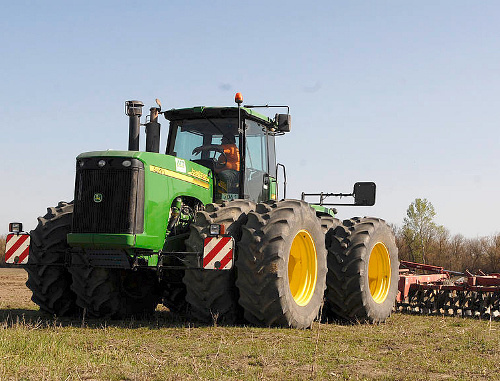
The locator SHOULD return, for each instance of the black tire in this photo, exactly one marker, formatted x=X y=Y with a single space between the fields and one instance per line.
x=328 y=222
x=264 y=253
x=48 y=278
x=174 y=291
x=212 y=294
x=351 y=246
x=114 y=293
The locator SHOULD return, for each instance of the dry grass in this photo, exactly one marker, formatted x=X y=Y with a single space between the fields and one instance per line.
x=37 y=347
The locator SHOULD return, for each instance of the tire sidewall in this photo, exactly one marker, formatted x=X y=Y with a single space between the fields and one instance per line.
x=303 y=316
x=380 y=311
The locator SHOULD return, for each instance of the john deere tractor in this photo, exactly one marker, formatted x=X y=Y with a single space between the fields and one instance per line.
x=206 y=229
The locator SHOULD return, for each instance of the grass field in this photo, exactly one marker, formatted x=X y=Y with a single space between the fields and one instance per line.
x=34 y=346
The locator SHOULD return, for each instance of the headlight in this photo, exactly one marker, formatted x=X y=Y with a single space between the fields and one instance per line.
x=126 y=163
x=101 y=163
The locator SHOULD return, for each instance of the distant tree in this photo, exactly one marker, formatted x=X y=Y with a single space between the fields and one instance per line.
x=439 y=248
x=493 y=254
x=419 y=228
x=403 y=249
x=475 y=249
x=457 y=252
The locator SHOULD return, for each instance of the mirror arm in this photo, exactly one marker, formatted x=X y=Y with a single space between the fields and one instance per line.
x=322 y=196
x=363 y=193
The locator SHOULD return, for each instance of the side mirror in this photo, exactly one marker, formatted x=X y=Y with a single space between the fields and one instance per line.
x=364 y=194
x=284 y=122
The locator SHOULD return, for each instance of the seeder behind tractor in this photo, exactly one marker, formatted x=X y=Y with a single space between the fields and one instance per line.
x=438 y=291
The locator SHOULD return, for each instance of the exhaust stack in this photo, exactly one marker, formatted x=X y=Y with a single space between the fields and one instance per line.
x=133 y=109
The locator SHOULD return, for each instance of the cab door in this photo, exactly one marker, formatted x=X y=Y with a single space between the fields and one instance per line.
x=258 y=157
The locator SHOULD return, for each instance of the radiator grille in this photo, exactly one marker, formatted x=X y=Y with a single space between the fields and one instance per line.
x=109 y=199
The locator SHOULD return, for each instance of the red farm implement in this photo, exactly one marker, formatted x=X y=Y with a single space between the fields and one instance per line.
x=426 y=289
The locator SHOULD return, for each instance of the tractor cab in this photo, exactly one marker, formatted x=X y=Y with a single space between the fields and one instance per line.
x=242 y=159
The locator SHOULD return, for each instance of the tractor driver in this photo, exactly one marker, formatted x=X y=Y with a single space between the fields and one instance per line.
x=227 y=166
x=231 y=155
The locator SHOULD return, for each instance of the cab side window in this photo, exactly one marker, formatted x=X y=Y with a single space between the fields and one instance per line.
x=256 y=164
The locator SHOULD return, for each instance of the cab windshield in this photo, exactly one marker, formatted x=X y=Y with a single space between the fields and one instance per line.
x=189 y=134
x=215 y=144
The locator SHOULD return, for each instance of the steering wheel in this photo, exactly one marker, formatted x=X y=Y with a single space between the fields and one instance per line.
x=220 y=162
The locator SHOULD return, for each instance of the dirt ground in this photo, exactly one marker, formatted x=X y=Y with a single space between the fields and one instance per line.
x=13 y=291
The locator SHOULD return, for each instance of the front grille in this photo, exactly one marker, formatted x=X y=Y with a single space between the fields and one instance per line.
x=109 y=199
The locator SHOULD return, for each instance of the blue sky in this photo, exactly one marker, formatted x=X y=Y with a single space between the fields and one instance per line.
x=405 y=94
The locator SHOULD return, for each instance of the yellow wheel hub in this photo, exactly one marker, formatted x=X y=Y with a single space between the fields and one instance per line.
x=379 y=272
x=302 y=268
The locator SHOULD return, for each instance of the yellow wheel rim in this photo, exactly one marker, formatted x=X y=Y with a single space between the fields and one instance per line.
x=379 y=272
x=302 y=268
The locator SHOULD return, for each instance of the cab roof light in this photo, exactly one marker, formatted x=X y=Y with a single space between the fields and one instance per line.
x=238 y=98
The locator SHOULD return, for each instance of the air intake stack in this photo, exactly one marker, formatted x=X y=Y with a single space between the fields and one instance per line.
x=133 y=109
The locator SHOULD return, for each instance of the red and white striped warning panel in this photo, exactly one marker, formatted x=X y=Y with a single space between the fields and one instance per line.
x=17 y=248
x=218 y=253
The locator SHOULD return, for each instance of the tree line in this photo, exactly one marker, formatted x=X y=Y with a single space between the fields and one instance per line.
x=421 y=240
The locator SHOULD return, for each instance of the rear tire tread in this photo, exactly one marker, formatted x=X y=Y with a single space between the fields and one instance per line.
x=262 y=264
x=212 y=294
x=48 y=278
x=102 y=292
x=348 y=296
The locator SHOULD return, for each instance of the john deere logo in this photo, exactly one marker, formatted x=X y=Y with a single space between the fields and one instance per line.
x=97 y=197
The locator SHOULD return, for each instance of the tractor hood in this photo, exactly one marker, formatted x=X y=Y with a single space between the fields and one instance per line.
x=123 y=198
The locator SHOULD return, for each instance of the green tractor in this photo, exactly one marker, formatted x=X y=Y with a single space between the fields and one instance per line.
x=206 y=229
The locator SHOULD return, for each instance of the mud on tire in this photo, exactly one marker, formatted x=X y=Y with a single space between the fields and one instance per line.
x=48 y=278
x=212 y=294
x=281 y=264
x=362 y=279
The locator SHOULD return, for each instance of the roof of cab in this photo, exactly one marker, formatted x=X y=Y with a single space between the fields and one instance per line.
x=214 y=112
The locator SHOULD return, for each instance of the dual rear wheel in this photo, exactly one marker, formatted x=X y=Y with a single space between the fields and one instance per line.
x=289 y=262
x=363 y=271
x=281 y=265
